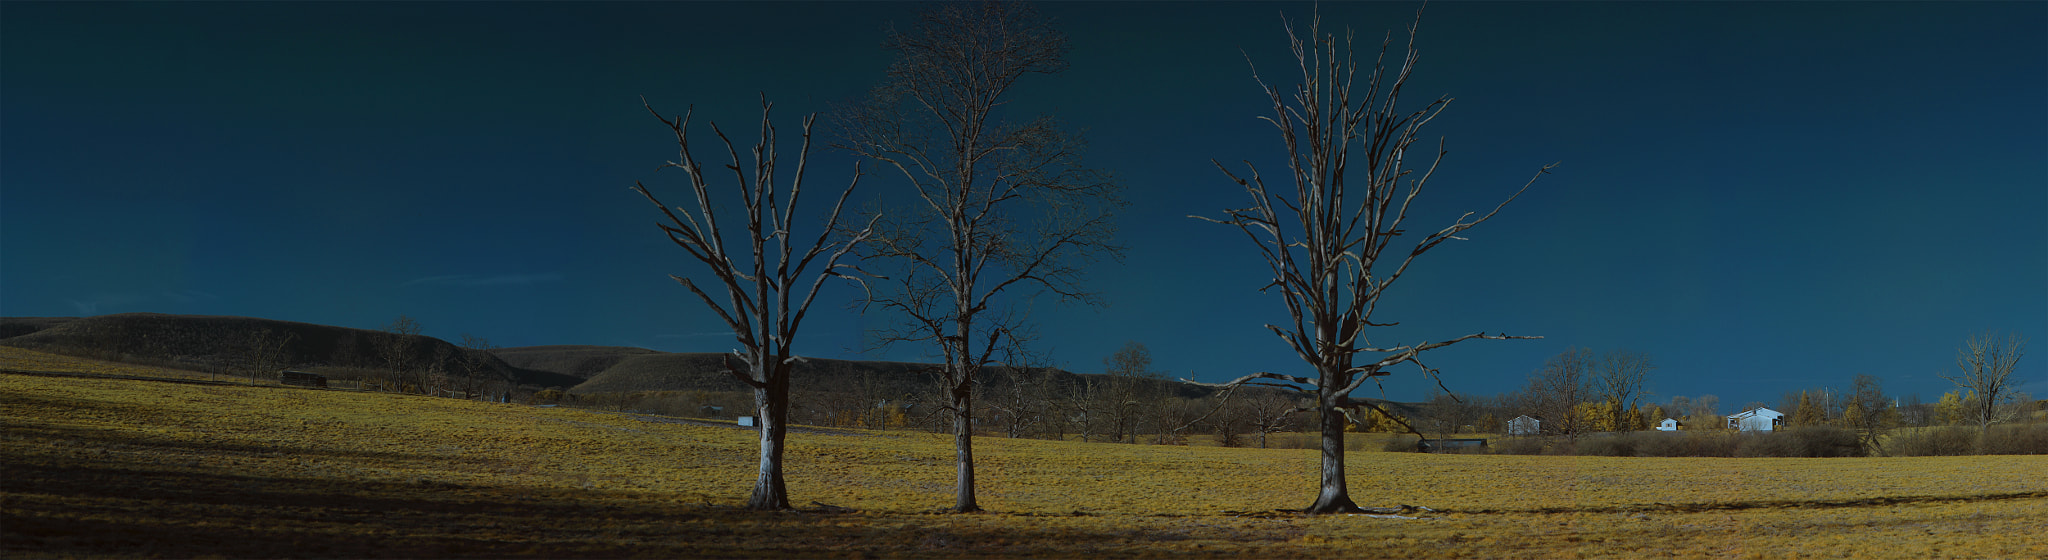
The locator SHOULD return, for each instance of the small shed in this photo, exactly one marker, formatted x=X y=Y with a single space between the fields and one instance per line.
x=1669 y=425
x=1757 y=419
x=1525 y=425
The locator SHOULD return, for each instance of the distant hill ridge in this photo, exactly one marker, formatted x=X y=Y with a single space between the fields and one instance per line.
x=619 y=369
x=214 y=342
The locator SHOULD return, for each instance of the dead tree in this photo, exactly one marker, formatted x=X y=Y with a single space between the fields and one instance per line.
x=1024 y=399
x=1870 y=413
x=1620 y=379
x=1272 y=414
x=1327 y=243
x=764 y=280
x=1001 y=206
x=1129 y=379
x=476 y=363
x=1565 y=381
x=397 y=350
x=1984 y=366
x=270 y=352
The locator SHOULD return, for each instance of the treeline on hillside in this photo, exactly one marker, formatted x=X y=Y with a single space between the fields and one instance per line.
x=395 y=359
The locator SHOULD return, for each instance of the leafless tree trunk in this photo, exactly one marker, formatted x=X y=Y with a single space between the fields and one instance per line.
x=397 y=349
x=270 y=353
x=475 y=362
x=1985 y=365
x=1874 y=413
x=1126 y=372
x=999 y=205
x=1449 y=414
x=1272 y=414
x=1087 y=406
x=1564 y=382
x=1620 y=379
x=1024 y=400
x=1325 y=243
x=761 y=280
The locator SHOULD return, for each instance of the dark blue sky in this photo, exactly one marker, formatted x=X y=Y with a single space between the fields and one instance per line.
x=1762 y=196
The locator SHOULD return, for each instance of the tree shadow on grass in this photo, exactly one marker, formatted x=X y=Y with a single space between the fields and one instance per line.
x=65 y=505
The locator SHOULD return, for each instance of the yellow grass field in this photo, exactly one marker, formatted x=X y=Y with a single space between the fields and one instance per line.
x=128 y=468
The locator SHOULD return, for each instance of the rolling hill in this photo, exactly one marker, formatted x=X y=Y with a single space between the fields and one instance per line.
x=214 y=343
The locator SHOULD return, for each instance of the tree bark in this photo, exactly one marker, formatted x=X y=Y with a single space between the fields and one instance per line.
x=1335 y=495
x=771 y=404
x=963 y=447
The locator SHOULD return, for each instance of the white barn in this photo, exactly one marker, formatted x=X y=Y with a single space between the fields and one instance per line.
x=1525 y=425
x=1669 y=425
x=1756 y=420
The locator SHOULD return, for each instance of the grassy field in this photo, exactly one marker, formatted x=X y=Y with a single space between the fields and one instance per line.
x=126 y=468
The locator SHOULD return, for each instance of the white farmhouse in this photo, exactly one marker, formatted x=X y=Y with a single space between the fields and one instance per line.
x=1525 y=425
x=1669 y=425
x=1756 y=420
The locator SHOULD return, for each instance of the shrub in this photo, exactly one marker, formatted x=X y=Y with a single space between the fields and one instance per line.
x=548 y=396
x=1940 y=441
x=1711 y=443
x=2016 y=439
x=1804 y=441
x=1617 y=445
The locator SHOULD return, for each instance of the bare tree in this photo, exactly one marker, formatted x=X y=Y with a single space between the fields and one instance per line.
x=1449 y=414
x=1985 y=365
x=1001 y=206
x=1869 y=412
x=1325 y=244
x=1557 y=389
x=397 y=350
x=1706 y=412
x=434 y=377
x=766 y=285
x=476 y=358
x=1128 y=376
x=1620 y=380
x=1272 y=414
x=1088 y=406
x=1023 y=401
x=270 y=352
